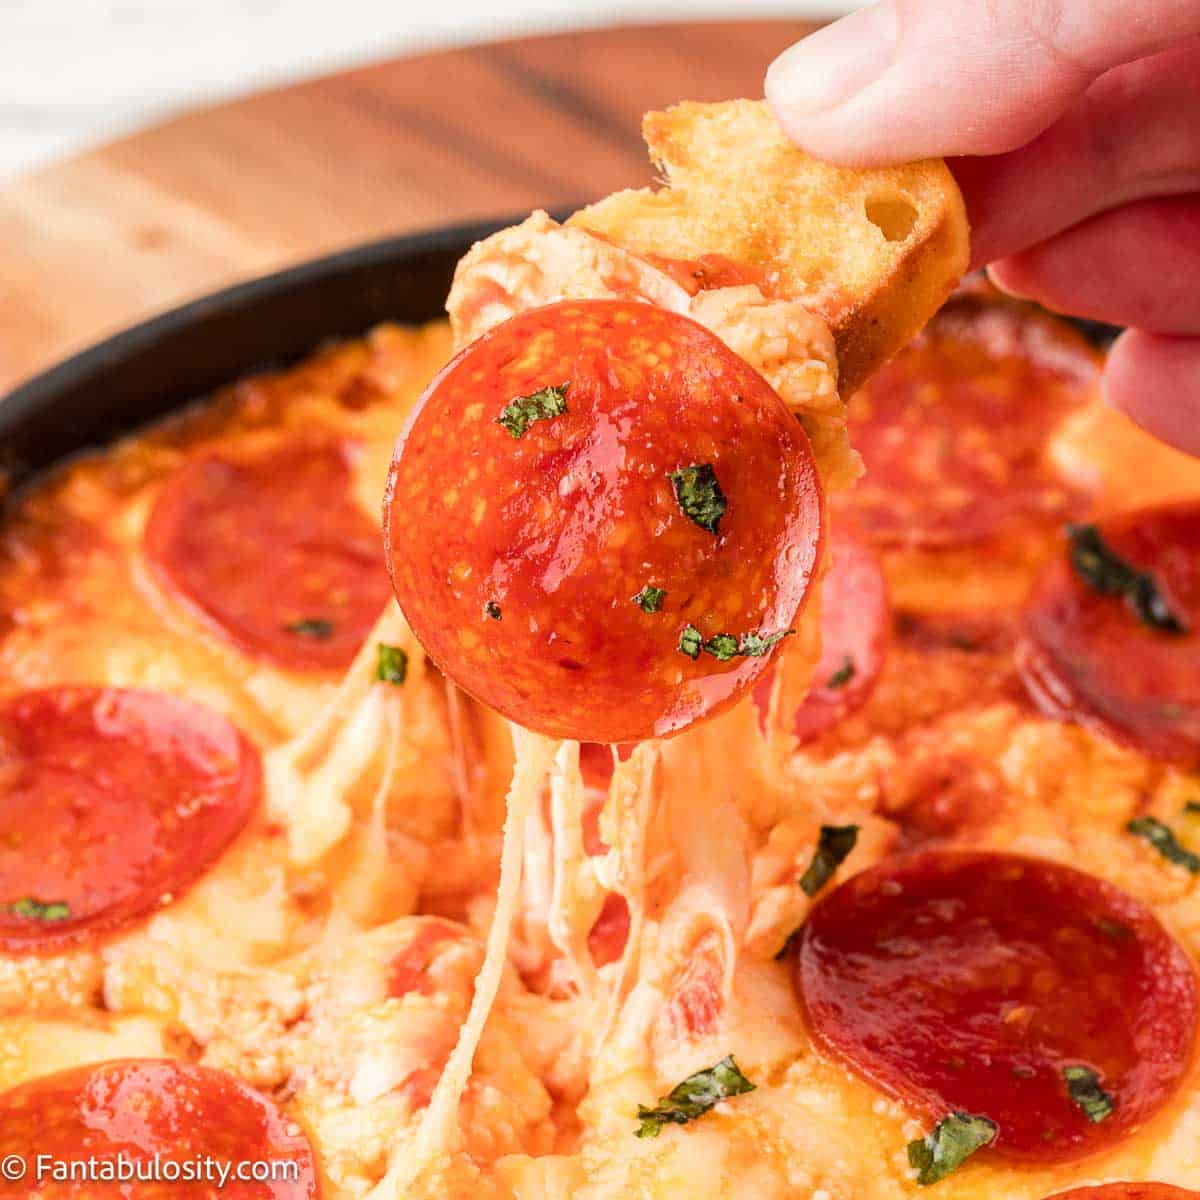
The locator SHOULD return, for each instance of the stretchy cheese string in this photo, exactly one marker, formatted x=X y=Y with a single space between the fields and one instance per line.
x=713 y=854
x=576 y=896
x=380 y=855
x=314 y=773
x=631 y=800
x=438 y=1131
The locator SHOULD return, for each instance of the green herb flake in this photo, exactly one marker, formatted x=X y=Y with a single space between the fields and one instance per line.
x=833 y=847
x=1103 y=570
x=649 y=599
x=842 y=675
x=699 y=495
x=1165 y=842
x=724 y=646
x=316 y=628
x=1083 y=1086
x=755 y=645
x=40 y=910
x=392 y=666
x=690 y=642
x=954 y=1139
x=695 y=1096
x=543 y=405
x=492 y=609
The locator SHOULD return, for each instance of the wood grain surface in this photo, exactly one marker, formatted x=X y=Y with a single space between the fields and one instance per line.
x=103 y=240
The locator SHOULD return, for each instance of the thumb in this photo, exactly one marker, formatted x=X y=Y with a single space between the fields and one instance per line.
x=908 y=79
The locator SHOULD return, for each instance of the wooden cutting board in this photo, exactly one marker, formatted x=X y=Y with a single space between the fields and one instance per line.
x=103 y=240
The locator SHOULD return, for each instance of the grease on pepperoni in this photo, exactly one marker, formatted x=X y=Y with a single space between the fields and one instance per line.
x=968 y=981
x=138 y=1110
x=855 y=626
x=1086 y=656
x=111 y=802
x=556 y=519
x=271 y=550
x=955 y=431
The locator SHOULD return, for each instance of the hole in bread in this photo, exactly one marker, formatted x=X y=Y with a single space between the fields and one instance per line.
x=893 y=215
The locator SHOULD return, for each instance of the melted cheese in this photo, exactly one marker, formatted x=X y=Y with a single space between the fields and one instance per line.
x=540 y=262
x=281 y=965
x=438 y=1133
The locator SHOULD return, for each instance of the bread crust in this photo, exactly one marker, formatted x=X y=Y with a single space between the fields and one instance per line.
x=873 y=252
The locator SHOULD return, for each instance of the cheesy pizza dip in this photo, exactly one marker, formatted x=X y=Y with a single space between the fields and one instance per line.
x=754 y=753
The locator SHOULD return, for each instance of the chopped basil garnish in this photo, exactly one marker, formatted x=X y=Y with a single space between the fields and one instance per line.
x=693 y=1097
x=392 y=666
x=650 y=598
x=954 y=1139
x=492 y=609
x=1101 y=568
x=833 y=846
x=1165 y=842
x=40 y=910
x=316 y=628
x=1083 y=1086
x=690 y=642
x=724 y=646
x=755 y=645
x=699 y=495
x=842 y=675
x=521 y=412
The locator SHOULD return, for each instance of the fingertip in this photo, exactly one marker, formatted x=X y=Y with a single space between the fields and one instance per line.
x=1007 y=275
x=827 y=68
x=1155 y=380
x=895 y=82
x=811 y=84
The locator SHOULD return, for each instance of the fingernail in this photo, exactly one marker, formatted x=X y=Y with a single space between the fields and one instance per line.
x=830 y=66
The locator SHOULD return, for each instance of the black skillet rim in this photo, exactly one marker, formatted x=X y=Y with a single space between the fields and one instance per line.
x=159 y=365
x=177 y=357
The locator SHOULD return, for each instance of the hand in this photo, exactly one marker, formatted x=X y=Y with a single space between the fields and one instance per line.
x=1078 y=127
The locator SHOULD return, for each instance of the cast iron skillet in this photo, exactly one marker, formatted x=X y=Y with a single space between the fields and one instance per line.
x=158 y=366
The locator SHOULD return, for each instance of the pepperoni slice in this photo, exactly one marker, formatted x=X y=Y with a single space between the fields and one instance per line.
x=272 y=552
x=111 y=801
x=955 y=430
x=855 y=625
x=409 y=969
x=187 y=1123
x=601 y=521
x=1127 y=1191
x=971 y=981
x=1087 y=656
x=608 y=935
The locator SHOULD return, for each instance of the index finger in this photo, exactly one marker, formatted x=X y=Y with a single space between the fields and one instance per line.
x=910 y=79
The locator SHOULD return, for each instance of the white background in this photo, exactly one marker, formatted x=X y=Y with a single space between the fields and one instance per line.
x=75 y=72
